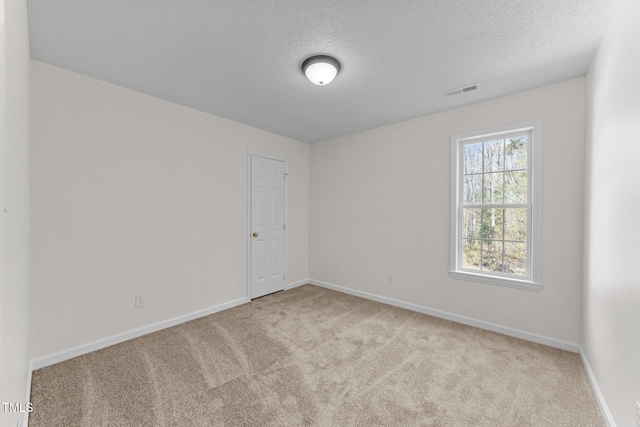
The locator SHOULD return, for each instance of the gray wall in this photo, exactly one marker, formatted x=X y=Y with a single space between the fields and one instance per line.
x=14 y=198
x=380 y=203
x=132 y=194
x=611 y=337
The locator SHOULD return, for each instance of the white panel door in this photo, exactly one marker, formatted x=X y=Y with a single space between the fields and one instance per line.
x=267 y=225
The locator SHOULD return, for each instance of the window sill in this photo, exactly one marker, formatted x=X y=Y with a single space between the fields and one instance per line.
x=496 y=280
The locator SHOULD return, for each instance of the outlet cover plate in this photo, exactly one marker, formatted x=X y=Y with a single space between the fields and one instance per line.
x=139 y=300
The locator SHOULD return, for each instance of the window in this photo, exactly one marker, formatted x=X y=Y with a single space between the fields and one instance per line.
x=496 y=206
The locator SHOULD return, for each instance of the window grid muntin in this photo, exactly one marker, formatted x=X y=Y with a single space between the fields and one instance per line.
x=504 y=136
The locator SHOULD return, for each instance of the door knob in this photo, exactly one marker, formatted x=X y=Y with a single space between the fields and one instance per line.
x=255 y=234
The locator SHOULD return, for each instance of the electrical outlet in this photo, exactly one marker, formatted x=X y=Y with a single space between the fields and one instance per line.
x=139 y=300
x=389 y=277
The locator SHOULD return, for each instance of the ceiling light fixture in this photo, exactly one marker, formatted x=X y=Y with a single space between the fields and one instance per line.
x=320 y=69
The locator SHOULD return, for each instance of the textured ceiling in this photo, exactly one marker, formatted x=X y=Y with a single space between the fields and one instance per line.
x=241 y=59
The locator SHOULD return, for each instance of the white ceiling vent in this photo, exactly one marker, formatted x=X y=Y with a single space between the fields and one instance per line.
x=460 y=90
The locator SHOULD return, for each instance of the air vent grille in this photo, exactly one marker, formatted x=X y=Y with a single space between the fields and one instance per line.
x=461 y=90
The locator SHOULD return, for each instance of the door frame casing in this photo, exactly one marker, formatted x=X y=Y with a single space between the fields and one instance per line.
x=250 y=154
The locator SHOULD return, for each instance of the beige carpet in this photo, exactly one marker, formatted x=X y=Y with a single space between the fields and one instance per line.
x=311 y=356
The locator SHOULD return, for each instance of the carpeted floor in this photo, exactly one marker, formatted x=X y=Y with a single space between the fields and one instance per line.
x=312 y=356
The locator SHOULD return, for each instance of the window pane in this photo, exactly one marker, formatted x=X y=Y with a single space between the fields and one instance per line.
x=493 y=211
x=516 y=153
x=473 y=158
x=515 y=224
x=494 y=155
x=472 y=224
x=473 y=188
x=491 y=255
x=492 y=224
x=515 y=258
x=471 y=254
x=515 y=187
x=493 y=188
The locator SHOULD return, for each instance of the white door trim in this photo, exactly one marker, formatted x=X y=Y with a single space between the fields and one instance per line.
x=286 y=213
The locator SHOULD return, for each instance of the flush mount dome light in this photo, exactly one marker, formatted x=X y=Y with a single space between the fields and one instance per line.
x=320 y=69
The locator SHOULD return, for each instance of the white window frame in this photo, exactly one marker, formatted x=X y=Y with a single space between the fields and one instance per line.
x=533 y=280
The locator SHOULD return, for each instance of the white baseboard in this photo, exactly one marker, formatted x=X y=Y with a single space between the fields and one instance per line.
x=61 y=356
x=540 y=339
x=608 y=418
x=296 y=284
